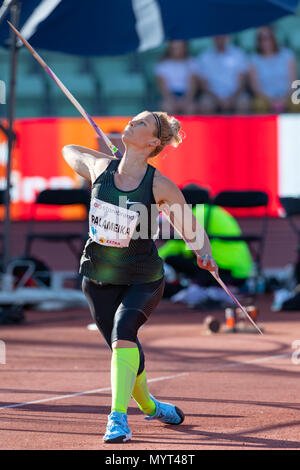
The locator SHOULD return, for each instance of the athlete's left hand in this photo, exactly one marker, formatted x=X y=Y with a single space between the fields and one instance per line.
x=207 y=262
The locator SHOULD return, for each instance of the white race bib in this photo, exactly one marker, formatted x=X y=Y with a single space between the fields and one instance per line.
x=111 y=225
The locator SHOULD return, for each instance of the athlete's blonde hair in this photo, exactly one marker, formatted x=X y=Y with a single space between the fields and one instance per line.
x=169 y=130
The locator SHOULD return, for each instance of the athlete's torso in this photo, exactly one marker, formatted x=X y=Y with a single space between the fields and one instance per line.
x=114 y=253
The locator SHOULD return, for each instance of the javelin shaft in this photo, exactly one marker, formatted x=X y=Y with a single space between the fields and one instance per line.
x=222 y=284
x=236 y=301
x=69 y=95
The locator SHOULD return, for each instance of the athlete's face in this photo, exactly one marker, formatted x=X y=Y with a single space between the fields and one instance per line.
x=141 y=132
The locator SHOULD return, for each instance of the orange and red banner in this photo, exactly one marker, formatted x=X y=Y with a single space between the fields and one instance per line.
x=218 y=152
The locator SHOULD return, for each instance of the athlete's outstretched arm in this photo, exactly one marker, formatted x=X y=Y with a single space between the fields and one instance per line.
x=171 y=201
x=85 y=161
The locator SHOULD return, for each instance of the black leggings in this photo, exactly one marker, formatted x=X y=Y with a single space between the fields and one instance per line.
x=120 y=310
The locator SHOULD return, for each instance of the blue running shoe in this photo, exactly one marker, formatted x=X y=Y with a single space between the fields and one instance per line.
x=117 y=429
x=166 y=413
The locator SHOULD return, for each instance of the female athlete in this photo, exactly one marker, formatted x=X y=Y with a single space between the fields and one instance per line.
x=123 y=277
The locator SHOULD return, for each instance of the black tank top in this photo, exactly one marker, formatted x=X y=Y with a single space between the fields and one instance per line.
x=139 y=261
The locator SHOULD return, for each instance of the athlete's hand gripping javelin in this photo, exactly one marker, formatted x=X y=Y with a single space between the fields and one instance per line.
x=208 y=262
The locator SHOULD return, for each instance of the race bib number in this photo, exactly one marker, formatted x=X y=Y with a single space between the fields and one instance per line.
x=111 y=225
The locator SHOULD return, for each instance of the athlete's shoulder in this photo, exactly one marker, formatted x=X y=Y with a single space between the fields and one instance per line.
x=162 y=180
x=164 y=188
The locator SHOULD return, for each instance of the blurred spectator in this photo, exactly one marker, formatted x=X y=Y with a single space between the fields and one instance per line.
x=221 y=72
x=272 y=71
x=174 y=74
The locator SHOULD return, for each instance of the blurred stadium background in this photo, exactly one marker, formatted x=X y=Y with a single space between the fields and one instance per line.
x=259 y=155
x=112 y=85
x=220 y=152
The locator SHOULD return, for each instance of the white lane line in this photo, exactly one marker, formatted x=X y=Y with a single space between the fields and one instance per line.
x=87 y=392
x=157 y=379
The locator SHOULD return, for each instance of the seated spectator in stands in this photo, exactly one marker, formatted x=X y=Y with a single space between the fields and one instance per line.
x=272 y=71
x=174 y=74
x=222 y=73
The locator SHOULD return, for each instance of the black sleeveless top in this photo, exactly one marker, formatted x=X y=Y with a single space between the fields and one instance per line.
x=139 y=261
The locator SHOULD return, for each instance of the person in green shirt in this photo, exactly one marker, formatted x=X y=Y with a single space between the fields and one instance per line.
x=233 y=258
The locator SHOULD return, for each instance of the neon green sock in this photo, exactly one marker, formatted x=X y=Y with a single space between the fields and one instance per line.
x=141 y=394
x=124 y=367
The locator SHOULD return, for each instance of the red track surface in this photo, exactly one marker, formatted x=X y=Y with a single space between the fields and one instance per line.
x=238 y=391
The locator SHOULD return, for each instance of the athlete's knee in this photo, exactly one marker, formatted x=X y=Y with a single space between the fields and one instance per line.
x=123 y=332
x=126 y=324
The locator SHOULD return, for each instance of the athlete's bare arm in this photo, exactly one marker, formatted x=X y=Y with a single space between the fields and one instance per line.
x=169 y=198
x=86 y=162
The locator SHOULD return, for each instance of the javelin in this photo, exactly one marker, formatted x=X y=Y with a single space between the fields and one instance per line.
x=228 y=292
x=217 y=277
x=113 y=149
x=69 y=95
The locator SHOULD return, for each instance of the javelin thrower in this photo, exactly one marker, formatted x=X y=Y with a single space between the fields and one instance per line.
x=115 y=151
